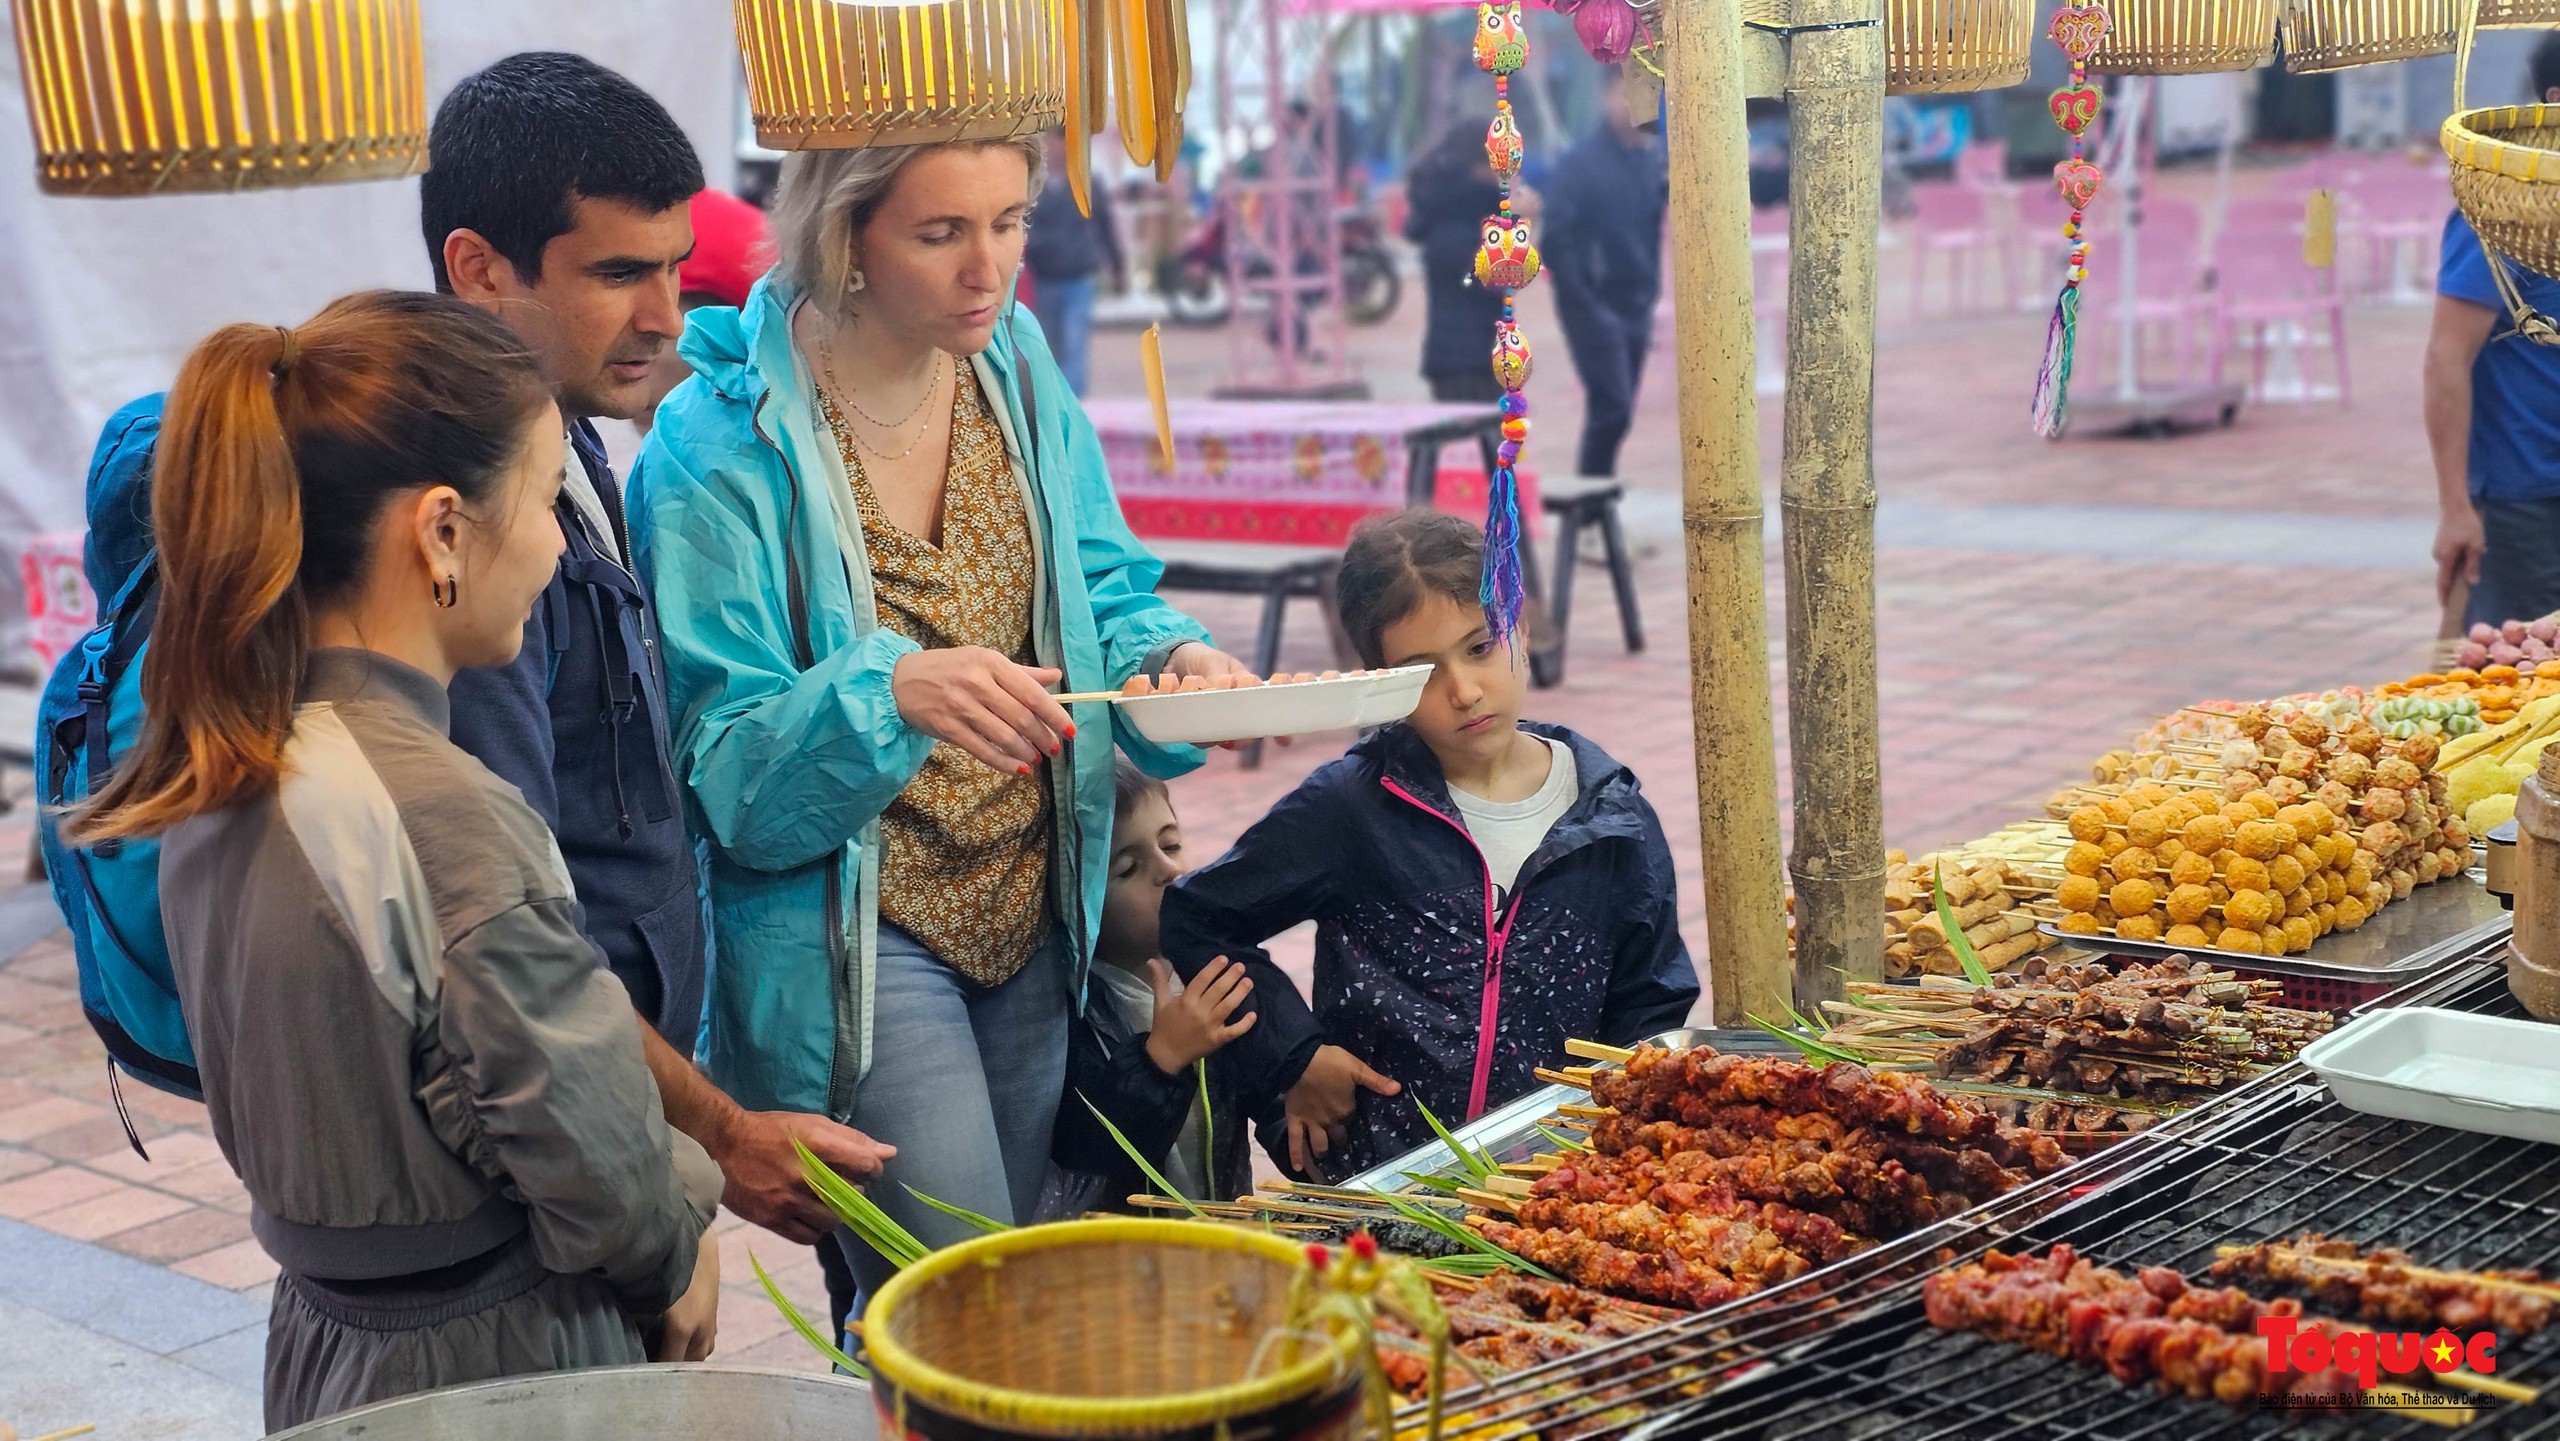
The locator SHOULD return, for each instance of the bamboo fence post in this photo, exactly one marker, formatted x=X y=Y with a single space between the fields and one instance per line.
x=1827 y=490
x=1721 y=511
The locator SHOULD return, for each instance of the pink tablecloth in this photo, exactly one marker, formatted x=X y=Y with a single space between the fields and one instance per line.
x=1301 y=473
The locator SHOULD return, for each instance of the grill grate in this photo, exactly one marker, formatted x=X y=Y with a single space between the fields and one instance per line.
x=1845 y=1354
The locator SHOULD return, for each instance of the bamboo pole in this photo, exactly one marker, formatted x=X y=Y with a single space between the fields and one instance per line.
x=1735 y=743
x=1827 y=489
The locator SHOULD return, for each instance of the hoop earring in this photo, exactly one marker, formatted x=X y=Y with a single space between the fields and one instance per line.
x=448 y=592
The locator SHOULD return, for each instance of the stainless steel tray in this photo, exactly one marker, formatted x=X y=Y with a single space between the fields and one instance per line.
x=2405 y=940
x=1509 y=1132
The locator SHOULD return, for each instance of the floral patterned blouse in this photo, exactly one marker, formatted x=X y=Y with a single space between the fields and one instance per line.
x=964 y=858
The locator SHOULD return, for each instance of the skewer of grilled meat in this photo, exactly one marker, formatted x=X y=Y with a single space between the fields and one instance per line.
x=1666 y=1277
x=1974 y=1175
x=2192 y=1340
x=2386 y=1285
x=1695 y=1086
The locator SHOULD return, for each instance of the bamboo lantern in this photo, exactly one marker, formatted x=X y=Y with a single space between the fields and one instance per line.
x=2336 y=34
x=1941 y=46
x=2506 y=178
x=141 y=97
x=2518 y=14
x=2186 y=37
x=825 y=75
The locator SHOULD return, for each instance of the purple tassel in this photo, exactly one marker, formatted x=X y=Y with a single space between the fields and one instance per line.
x=2051 y=408
x=1505 y=590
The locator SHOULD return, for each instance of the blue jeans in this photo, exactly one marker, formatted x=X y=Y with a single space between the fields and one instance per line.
x=1065 y=308
x=2520 y=565
x=965 y=1083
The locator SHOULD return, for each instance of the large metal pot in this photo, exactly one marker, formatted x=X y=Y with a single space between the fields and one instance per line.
x=619 y=1403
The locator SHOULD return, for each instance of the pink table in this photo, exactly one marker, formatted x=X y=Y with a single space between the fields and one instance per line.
x=1298 y=473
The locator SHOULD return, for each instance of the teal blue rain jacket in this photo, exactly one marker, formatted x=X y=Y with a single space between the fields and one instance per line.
x=788 y=741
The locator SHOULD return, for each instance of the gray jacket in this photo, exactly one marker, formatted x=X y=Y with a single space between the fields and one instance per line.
x=411 y=1054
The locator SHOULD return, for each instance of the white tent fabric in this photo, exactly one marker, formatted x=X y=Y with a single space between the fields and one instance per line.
x=101 y=298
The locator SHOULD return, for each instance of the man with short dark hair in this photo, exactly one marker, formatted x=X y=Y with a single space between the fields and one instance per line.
x=2492 y=404
x=558 y=201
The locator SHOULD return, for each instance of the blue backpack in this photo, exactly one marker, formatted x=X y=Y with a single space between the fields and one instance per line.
x=89 y=718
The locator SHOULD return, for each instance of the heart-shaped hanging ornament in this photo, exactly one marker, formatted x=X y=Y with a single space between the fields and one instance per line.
x=2079 y=28
x=2073 y=107
x=2078 y=182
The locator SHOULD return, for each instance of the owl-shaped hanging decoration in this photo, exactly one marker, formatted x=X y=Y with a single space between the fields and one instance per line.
x=1505 y=263
x=1502 y=39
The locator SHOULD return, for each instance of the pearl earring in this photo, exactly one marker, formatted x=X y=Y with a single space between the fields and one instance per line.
x=856 y=283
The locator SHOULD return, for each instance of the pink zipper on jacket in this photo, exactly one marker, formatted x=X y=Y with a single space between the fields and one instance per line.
x=1489 y=1009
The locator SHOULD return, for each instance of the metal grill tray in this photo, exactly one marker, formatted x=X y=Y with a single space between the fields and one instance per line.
x=1846 y=1354
x=2405 y=940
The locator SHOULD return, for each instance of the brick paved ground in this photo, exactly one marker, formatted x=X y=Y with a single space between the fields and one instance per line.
x=2037 y=604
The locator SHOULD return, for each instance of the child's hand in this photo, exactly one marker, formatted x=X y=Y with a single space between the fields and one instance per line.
x=1193 y=1022
x=1323 y=1100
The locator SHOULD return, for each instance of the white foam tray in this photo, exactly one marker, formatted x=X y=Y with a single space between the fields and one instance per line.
x=2487 y=1074
x=1206 y=717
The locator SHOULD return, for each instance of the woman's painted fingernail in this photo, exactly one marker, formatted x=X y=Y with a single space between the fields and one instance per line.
x=1022 y=770
x=1071 y=730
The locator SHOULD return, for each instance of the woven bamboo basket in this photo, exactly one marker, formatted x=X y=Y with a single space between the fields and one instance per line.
x=824 y=75
x=2336 y=34
x=2518 y=14
x=2506 y=178
x=1109 y=1329
x=1940 y=46
x=2186 y=37
x=137 y=97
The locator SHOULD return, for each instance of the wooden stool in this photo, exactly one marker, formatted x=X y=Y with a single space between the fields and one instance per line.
x=1277 y=573
x=1575 y=504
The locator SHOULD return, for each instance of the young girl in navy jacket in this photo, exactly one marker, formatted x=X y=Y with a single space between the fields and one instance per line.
x=1482 y=888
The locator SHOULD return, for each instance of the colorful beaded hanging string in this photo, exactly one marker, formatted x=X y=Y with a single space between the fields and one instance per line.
x=2077 y=29
x=1505 y=262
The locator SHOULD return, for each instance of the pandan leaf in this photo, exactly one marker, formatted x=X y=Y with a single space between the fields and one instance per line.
x=1145 y=1167
x=984 y=1225
x=1208 y=1120
x=1447 y=1229
x=1475 y=1163
x=1813 y=1050
x=1974 y=970
x=1464 y=1264
x=860 y=1214
x=1448 y=1184
x=1563 y=1143
x=800 y=1323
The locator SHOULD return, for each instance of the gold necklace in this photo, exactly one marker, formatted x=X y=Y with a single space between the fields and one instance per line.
x=844 y=433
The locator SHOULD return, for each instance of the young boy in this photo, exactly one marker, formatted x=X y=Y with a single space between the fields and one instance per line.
x=1482 y=889
x=1137 y=1053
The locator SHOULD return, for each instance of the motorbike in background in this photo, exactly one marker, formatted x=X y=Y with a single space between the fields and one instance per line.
x=1193 y=279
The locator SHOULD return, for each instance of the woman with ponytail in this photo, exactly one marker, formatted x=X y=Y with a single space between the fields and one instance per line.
x=432 y=1088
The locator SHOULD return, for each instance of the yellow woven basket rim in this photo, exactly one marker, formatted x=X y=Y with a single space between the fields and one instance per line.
x=2470 y=140
x=1003 y=1406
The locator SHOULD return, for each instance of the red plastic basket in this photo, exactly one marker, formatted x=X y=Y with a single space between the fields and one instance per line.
x=2317 y=993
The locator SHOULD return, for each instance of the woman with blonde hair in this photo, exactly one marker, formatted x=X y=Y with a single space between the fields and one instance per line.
x=880 y=531
x=419 y=1066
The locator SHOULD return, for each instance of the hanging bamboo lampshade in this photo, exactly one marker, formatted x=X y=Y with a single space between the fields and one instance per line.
x=1942 y=46
x=825 y=75
x=2336 y=34
x=2506 y=178
x=2186 y=37
x=137 y=97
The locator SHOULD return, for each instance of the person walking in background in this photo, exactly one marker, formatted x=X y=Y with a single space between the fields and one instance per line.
x=1448 y=193
x=2493 y=424
x=1067 y=249
x=1603 y=244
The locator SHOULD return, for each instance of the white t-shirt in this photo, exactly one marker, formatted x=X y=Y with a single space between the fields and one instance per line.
x=1508 y=832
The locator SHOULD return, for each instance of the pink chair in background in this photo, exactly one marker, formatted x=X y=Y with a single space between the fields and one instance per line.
x=2172 y=305
x=1953 y=221
x=2277 y=307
